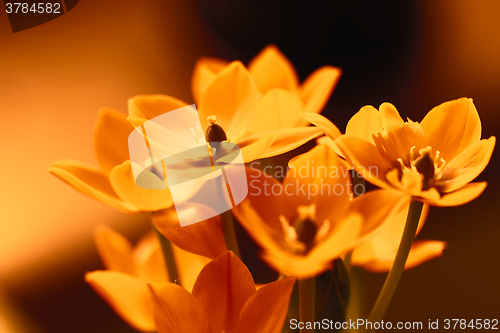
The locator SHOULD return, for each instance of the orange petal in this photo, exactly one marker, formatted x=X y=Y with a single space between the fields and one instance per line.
x=89 y=181
x=399 y=141
x=452 y=127
x=466 y=166
x=321 y=177
x=204 y=72
x=266 y=234
x=298 y=266
x=286 y=139
x=254 y=149
x=341 y=239
x=390 y=116
x=114 y=249
x=111 y=133
x=128 y=296
x=317 y=88
x=264 y=197
x=366 y=159
x=324 y=140
x=203 y=238
x=232 y=97
x=189 y=266
x=366 y=122
x=271 y=69
x=459 y=197
x=384 y=245
x=122 y=180
x=148 y=257
x=150 y=106
x=266 y=310
x=278 y=108
x=421 y=251
x=222 y=288
x=324 y=123
x=176 y=310
x=377 y=207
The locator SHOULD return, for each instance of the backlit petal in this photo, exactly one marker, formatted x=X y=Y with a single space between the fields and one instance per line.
x=321 y=177
x=255 y=148
x=204 y=72
x=123 y=182
x=324 y=123
x=459 y=197
x=148 y=257
x=203 y=238
x=376 y=207
x=366 y=158
x=286 y=139
x=114 y=249
x=232 y=97
x=128 y=296
x=317 y=88
x=266 y=196
x=452 y=127
x=341 y=239
x=189 y=266
x=421 y=251
x=271 y=69
x=466 y=166
x=222 y=288
x=266 y=310
x=150 y=106
x=89 y=181
x=398 y=142
x=384 y=245
x=277 y=109
x=111 y=133
x=390 y=116
x=176 y=310
x=366 y=122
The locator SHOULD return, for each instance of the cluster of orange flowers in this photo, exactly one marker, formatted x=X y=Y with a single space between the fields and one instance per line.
x=266 y=110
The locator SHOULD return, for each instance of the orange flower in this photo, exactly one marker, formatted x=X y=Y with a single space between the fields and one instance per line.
x=273 y=84
x=128 y=270
x=311 y=219
x=224 y=299
x=377 y=254
x=432 y=161
x=262 y=125
x=114 y=183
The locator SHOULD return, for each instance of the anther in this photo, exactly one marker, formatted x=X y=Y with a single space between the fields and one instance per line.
x=214 y=133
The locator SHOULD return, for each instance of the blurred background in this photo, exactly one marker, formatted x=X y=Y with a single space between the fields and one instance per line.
x=55 y=77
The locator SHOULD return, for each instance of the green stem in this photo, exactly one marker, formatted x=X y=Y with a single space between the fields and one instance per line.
x=307 y=295
x=230 y=233
x=392 y=280
x=168 y=256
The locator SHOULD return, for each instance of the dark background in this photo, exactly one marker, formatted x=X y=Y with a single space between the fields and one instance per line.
x=414 y=54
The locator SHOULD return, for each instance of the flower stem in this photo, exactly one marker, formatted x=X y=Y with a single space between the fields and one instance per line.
x=392 y=280
x=307 y=295
x=168 y=256
x=230 y=233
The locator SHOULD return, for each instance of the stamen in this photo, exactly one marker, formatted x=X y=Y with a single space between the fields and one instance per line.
x=290 y=234
x=214 y=133
x=305 y=227
x=425 y=166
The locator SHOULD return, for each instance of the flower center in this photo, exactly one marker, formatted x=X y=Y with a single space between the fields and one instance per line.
x=424 y=170
x=305 y=232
